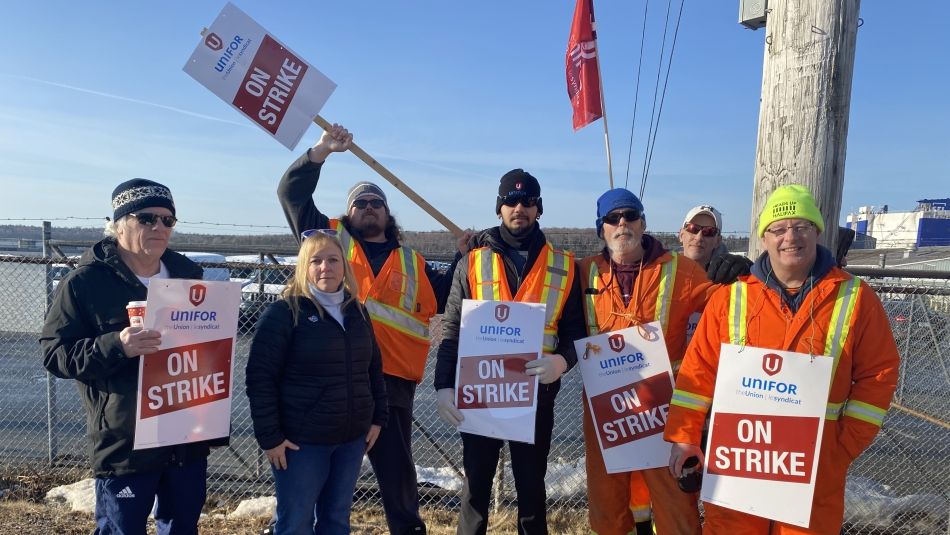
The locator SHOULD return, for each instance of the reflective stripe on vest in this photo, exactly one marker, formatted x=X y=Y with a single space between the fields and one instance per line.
x=665 y=292
x=664 y=296
x=346 y=240
x=593 y=282
x=554 y=293
x=410 y=267
x=397 y=319
x=838 y=329
x=689 y=400
x=491 y=284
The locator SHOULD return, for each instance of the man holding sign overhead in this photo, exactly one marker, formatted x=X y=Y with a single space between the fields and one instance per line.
x=761 y=349
x=512 y=262
x=401 y=293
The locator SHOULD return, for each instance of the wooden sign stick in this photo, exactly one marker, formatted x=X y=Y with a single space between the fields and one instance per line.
x=400 y=185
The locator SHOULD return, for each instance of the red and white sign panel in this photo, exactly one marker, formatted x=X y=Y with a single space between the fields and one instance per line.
x=493 y=392
x=629 y=385
x=765 y=432
x=184 y=390
x=260 y=77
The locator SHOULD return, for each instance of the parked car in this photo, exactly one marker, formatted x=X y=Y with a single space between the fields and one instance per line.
x=260 y=285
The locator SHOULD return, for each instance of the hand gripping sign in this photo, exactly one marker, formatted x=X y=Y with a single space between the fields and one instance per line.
x=629 y=384
x=184 y=391
x=254 y=72
x=492 y=390
x=765 y=433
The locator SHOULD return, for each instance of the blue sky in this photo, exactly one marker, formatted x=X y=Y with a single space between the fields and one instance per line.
x=447 y=95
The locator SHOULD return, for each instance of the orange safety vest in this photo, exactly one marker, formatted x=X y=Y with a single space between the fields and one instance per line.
x=400 y=302
x=668 y=290
x=840 y=318
x=549 y=282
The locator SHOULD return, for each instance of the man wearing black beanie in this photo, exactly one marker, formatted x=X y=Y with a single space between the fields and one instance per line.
x=527 y=258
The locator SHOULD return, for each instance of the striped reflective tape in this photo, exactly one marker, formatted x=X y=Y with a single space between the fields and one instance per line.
x=737 y=313
x=665 y=294
x=840 y=324
x=865 y=412
x=397 y=319
x=590 y=300
x=690 y=400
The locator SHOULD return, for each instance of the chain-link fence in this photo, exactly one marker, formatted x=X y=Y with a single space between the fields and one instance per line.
x=899 y=485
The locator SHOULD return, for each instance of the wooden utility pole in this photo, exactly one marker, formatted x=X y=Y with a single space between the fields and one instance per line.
x=806 y=100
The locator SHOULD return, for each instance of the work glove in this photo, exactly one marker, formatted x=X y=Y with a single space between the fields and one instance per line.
x=726 y=268
x=549 y=368
x=445 y=400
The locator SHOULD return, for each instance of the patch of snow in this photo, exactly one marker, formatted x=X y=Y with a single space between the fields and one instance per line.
x=869 y=503
x=255 y=508
x=79 y=496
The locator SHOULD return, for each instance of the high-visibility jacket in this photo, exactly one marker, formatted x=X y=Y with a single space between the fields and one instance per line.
x=549 y=282
x=669 y=290
x=841 y=318
x=400 y=302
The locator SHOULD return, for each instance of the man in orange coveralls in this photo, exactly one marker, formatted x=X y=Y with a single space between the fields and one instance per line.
x=796 y=299
x=636 y=280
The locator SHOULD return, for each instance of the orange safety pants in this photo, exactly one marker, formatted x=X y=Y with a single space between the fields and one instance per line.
x=827 y=509
x=608 y=495
x=639 y=498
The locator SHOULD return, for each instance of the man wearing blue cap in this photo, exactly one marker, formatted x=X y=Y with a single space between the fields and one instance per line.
x=634 y=281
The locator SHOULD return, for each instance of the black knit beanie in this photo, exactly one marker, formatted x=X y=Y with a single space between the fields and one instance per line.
x=518 y=183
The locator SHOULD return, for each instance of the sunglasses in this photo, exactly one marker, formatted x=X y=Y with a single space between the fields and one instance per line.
x=375 y=203
x=630 y=215
x=514 y=200
x=707 y=232
x=327 y=231
x=150 y=220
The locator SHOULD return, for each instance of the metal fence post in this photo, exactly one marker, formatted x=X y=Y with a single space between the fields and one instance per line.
x=52 y=418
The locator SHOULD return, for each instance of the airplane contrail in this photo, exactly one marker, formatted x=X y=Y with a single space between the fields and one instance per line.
x=126 y=99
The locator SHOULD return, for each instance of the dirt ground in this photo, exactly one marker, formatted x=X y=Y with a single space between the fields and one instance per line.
x=23 y=511
x=22 y=517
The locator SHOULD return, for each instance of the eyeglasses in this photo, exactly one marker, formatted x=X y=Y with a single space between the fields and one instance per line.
x=707 y=232
x=795 y=229
x=327 y=231
x=514 y=200
x=630 y=214
x=375 y=203
x=150 y=220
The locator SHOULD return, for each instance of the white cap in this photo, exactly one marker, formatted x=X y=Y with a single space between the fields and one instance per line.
x=704 y=209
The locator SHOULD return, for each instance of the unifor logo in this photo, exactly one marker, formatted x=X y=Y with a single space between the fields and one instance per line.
x=518 y=186
x=501 y=312
x=616 y=342
x=771 y=363
x=214 y=42
x=196 y=294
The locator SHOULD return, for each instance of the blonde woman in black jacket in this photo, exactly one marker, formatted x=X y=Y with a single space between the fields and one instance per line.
x=315 y=385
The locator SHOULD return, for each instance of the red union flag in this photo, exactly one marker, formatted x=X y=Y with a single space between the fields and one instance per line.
x=583 y=82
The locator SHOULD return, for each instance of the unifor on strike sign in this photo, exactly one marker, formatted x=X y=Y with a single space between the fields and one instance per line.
x=492 y=390
x=765 y=433
x=628 y=384
x=184 y=390
x=256 y=74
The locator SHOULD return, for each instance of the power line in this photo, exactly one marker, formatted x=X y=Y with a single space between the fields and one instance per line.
x=652 y=143
x=656 y=89
x=636 y=97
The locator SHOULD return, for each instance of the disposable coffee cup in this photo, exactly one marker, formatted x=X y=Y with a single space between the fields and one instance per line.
x=692 y=478
x=136 y=311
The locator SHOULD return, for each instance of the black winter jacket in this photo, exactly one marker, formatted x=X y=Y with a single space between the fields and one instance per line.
x=80 y=340
x=570 y=327
x=314 y=382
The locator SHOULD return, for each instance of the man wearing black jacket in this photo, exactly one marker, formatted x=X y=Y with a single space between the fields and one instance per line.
x=371 y=239
x=524 y=250
x=87 y=337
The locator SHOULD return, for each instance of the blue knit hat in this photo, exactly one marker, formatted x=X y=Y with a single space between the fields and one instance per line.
x=614 y=199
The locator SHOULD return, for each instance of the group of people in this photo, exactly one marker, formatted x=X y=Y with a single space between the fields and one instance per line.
x=334 y=365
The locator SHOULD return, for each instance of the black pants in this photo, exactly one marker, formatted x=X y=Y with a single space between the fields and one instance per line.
x=395 y=471
x=529 y=463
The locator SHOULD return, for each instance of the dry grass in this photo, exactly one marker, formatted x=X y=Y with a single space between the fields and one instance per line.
x=23 y=511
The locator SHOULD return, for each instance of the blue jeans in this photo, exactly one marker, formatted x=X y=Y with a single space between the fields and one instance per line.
x=315 y=492
x=123 y=503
